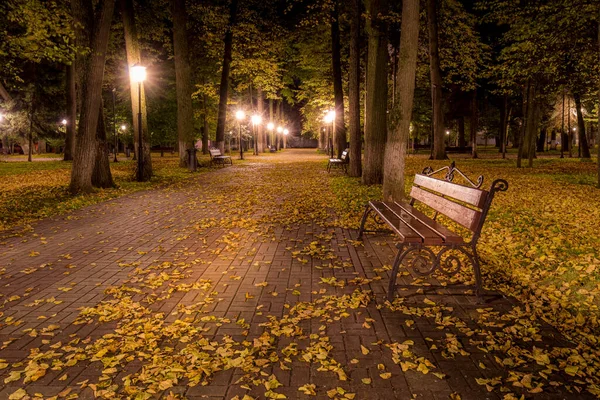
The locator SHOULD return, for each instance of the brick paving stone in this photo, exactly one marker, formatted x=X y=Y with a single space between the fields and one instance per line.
x=99 y=247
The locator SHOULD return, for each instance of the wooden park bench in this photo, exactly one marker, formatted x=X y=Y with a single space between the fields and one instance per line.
x=216 y=158
x=420 y=235
x=341 y=162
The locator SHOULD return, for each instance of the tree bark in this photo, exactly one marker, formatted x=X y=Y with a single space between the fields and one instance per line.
x=93 y=73
x=377 y=86
x=71 y=112
x=260 y=132
x=101 y=177
x=183 y=82
x=355 y=167
x=134 y=56
x=584 y=148
x=437 y=120
x=338 y=91
x=598 y=126
x=30 y=135
x=461 y=133
x=224 y=87
x=474 y=124
x=395 y=150
x=205 y=125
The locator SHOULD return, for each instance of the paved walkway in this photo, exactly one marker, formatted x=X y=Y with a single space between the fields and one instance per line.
x=239 y=282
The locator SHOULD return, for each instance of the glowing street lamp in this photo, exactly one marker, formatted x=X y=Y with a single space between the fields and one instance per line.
x=285 y=132
x=123 y=128
x=240 y=115
x=270 y=126
x=138 y=75
x=64 y=122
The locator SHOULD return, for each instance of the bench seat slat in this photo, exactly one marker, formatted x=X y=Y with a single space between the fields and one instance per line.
x=430 y=236
x=445 y=233
x=465 y=216
x=473 y=196
x=407 y=234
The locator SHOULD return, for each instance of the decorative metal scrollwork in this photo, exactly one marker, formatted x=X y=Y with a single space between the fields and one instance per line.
x=423 y=261
x=450 y=264
x=451 y=170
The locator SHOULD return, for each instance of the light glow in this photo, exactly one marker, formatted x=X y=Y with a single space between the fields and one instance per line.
x=285 y=131
x=279 y=129
x=123 y=127
x=270 y=126
x=64 y=122
x=240 y=115
x=256 y=119
x=137 y=73
x=329 y=117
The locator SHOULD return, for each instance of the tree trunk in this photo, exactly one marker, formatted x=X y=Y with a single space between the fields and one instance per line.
x=598 y=126
x=183 y=81
x=30 y=135
x=461 y=133
x=584 y=148
x=101 y=177
x=224 y=87
x=569 y=137
x=376 y=103
x=71 y=112
x=132 y=48
x=355 y=167
x=338 y=91
x=205 y=125
x=84 y=158
x=532 y=130
x=395 y=150
x=474 y=124
x=260 y=132
x=437 y=120
x=541 y=141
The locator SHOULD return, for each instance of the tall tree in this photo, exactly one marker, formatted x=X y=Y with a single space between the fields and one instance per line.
x=584 y=148
x=355 y=167
x=339 y=135
x=376 y=102
x=598 y=126
x=225 y=69
x=183 y=82
x=101 y=176
x=395 y=149
x=437 y=122
x=84 y=160
x=71 y=111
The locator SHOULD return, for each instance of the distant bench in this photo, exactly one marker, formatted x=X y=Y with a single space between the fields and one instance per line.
x=216 y=158
x=466 y=205
x=341 y=162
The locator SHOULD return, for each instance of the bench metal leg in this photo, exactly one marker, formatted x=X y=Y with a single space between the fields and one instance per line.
x=397 y=261
x=477 y=272
x=363 y=220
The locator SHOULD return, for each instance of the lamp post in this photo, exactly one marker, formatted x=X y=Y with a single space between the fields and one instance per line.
x=285 y=133
x=240 y=115
x=138 y=75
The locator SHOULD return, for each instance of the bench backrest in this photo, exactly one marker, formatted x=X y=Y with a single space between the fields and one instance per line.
x=344 y=155
x=460 y=203
x=466 y=205
x=214 y=152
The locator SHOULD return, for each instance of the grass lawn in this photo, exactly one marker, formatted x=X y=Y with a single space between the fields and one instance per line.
x=541 y=241
x=30 y=191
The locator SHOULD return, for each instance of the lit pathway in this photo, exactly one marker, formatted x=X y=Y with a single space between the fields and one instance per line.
x=178 y=281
